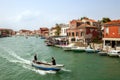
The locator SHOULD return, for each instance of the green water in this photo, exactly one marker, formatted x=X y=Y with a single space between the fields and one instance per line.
x=17 y=52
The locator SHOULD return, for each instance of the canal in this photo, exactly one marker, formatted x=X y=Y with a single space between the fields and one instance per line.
x=16 y=54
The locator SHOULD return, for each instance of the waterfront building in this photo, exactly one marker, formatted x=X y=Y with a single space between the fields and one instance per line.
x=64 y=28
x=52 y=31
x=84 y=30
x=111 y=39
x=36 y=32
x=24 y=32
x=44 y=32
x=6 y=32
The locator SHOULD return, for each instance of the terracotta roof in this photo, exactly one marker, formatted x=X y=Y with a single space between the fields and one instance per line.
x=24 y=30
x=5 y=29
x=113 y=22
x=44 y=28
x=92 y=20
x=86 y=25
x=75 y=21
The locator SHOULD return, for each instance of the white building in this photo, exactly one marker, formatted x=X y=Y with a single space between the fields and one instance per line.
x=64 y=27
x=52 y=32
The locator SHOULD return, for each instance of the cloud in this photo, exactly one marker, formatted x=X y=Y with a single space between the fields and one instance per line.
x=24 y=20
x=27 y=16
x=31 y=20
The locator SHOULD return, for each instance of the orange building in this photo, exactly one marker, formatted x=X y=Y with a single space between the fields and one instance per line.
x=112 y=35
x=83 y=30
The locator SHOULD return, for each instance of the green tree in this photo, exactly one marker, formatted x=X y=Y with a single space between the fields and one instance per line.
x=105 y=20
x=84 y=18
x=58 y=30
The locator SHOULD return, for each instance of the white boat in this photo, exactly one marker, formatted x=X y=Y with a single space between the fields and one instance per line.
x=114 y=53
x=78 y=49
x=68 y=47
x=91 y=50
x=47 y=66
x=102 y=53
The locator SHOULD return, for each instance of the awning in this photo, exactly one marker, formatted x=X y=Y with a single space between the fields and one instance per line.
x=112 y=39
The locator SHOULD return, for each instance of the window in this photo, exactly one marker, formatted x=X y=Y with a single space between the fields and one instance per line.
x=82 y=33
x=73 y=39
x=72 y=33
x=69 y=34
x=107 y=30
x=76 y=33
x=107 y=43
x=88 y=23
x=118 y=43
x=64 y=30
x=78 y=24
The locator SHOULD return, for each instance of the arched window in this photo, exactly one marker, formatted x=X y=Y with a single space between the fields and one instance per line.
x=76 y=33
x=73 y=39
x=88 y=23
x=72 y=33
x=82 y=33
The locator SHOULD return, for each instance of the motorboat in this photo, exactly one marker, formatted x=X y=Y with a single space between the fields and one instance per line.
x=114 y=53
x=47 y=66
x=102 y=53
x=91 y=50
x=68 y=47
x=78 y=49
x=49 y=44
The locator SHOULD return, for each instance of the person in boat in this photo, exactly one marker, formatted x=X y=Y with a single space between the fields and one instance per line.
x=53 y=61
x=35 y=57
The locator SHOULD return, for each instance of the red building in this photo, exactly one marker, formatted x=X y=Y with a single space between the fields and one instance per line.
x=112 y=34
x=44 y=32
x=6 y=32
x=82 y=30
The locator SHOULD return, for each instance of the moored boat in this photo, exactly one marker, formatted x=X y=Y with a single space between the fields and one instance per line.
x=102 y=53
x=90 y=50
x=68 y=47
x=49 y=44
x=47 y=66
x=114 y=53
x=78 y=49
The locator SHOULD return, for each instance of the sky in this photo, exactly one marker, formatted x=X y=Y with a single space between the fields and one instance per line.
x=33 y=14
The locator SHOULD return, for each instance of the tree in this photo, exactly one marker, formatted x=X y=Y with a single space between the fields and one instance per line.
x=58 y=30
x=84 y=18
x=105 y=20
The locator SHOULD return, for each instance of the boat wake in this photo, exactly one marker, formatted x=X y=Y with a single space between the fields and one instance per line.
x=11 y=56
x=66 y=70
x=41 y=72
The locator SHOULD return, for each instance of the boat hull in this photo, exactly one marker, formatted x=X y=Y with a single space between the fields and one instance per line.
x=47 y=67
x=78 y=49
x=91 y=51
x=67 y=48
x=113 y=53
x=102 y=53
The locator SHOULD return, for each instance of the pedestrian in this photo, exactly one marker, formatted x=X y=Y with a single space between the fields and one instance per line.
x=53 y=61
x=35 y=57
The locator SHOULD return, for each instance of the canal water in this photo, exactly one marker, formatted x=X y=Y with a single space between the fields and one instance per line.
x=16 y=53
